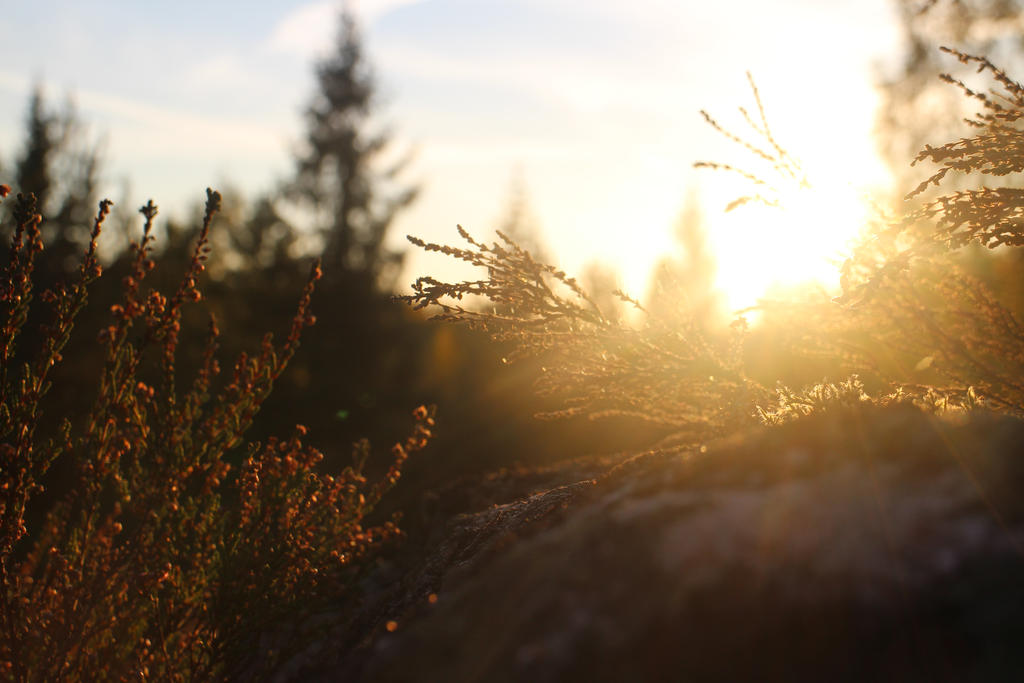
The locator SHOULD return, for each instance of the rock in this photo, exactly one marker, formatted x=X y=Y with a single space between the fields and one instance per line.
x=870 y=545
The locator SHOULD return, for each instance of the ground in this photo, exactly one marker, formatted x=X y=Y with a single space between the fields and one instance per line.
x=869 y=544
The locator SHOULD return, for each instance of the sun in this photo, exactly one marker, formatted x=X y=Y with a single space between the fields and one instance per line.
x=811 y=193
x=796 y=242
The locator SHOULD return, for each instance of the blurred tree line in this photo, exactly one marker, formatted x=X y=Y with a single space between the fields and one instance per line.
x=368 y=361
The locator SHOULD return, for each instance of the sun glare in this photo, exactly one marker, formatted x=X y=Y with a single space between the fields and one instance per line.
x=818 y=190
x=798 y=243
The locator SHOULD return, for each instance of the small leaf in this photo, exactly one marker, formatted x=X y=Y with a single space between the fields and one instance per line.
x=736 y=203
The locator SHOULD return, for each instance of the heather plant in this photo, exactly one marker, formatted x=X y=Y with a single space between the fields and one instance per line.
x=910 y=321
x=672 y=368
x=911 y=309
x=911 y=315
x=598 y=365
x=158 y=559
x=850 y=393
x=916 y=108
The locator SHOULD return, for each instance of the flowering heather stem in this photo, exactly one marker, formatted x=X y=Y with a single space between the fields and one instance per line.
x=163 y=561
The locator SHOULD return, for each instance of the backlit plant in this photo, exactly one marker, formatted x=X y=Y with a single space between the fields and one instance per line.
x=680 y=375
x=910 y=318
x=156 y=559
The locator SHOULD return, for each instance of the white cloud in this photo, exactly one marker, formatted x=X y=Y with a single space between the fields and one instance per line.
x=310 y=30
x=371 y=10
x=181 y=133
x=14 y=82
x=586 y=86
x=155 y=129
x=305 y=31
x=221 y=70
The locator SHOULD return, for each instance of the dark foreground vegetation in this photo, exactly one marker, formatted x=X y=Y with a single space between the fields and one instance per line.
x=865 y=544
x=160 y=559
x=829 y=495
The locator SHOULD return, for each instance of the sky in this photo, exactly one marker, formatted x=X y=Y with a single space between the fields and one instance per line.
x=591 y=105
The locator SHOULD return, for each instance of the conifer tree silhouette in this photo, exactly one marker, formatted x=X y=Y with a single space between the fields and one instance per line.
x=336 y=178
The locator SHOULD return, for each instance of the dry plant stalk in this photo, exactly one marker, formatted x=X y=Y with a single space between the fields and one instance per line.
x=685 y=377
x=906 y=289
x=161 y=562
x=780 y=163
x=909 y=317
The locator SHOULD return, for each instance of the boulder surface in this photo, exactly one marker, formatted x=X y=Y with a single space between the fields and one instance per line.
x=866 y=545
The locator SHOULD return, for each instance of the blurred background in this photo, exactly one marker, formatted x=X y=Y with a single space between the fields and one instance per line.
x=585 y=111
x=335 y=129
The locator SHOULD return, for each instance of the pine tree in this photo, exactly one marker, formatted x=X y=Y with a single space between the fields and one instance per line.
x=33 y=169
x=336 y=178
x=61 y=167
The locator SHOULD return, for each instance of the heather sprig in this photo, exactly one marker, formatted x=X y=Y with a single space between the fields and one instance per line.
x=684 y=377
x=910 y=317
x=784 y=169
x=162 y=561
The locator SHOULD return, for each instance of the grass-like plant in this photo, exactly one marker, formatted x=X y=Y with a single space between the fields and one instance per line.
x=681 y=375
x=155 y=559
x=911 y=309
x=911 y=319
